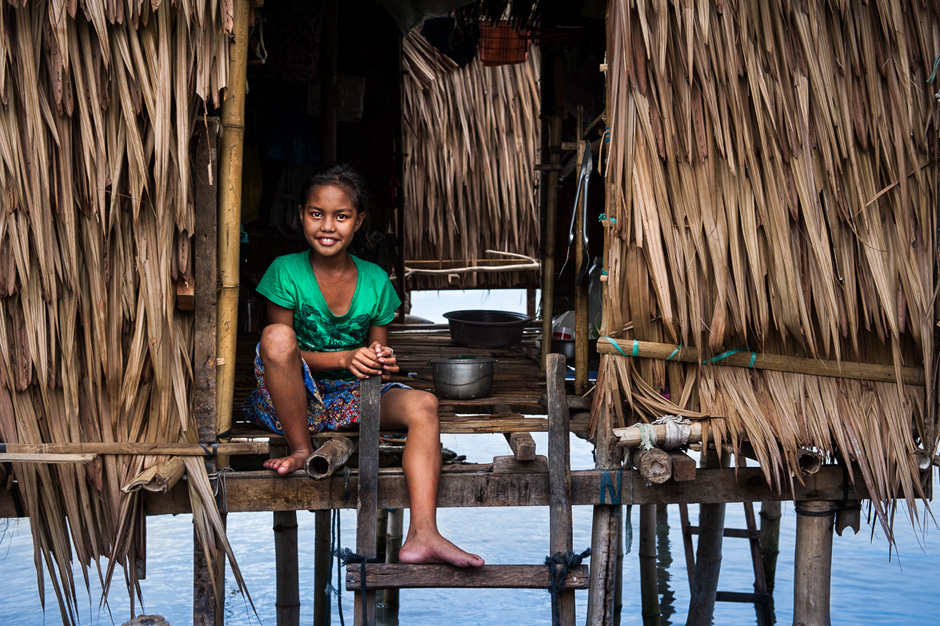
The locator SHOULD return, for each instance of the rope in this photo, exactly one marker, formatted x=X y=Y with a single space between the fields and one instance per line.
x=219 y=477
x=647 y=436
x=678 y=430
x=558 y=566
x=345 y=556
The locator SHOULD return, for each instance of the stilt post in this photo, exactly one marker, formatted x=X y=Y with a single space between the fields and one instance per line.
x=708 y=556
x=813 y=563
x=321 y=567
x=393 y=539
x=207 y=607
x=649 y=586
x=559 y=477
x=287 y=604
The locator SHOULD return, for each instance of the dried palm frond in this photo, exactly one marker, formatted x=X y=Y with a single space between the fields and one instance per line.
x=471 y=137
x=773 y=175
x=98 y=108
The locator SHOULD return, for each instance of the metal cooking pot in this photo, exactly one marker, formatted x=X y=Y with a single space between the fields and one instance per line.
x=462 y=379
x=486 y=329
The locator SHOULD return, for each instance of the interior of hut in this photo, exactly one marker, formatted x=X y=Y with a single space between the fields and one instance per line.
x=453 y=146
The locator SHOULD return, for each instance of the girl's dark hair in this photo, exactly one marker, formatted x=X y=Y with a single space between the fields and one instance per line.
x=343 y=176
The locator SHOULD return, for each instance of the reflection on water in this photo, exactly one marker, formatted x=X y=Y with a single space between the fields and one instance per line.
x=667 y=599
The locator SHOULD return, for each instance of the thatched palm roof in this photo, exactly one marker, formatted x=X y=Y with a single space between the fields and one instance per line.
x=772 y=187
x=96 y=214
x=471 y=136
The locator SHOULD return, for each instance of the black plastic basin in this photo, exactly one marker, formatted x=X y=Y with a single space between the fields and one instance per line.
x=486 y=329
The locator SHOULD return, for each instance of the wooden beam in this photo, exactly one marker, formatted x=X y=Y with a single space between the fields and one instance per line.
x=683 y=466
x=209 y=448
x=266 y=491
x=399 y=576
x=510 y=465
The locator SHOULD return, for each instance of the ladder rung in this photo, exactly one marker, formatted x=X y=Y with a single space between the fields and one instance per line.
x=740 y=596
x=401 y=575
x=742 y=533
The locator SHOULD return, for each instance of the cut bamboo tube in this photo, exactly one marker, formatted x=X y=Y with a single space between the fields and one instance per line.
x=329 y=457
x=755 y=360
x=809 y=461
x=813 y=563
x=230 y=193
x=654 y=465
x=137 y=448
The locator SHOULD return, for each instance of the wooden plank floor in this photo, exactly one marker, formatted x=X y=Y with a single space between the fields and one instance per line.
x=518 y=385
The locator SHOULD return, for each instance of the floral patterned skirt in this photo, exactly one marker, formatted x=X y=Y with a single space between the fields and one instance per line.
x=331 y=404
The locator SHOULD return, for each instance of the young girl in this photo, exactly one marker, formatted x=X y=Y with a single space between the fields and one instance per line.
x=327 y=316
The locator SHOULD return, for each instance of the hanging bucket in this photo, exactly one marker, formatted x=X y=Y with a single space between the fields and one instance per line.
x=502 y=44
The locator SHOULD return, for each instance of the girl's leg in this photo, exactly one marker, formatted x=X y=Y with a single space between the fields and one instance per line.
x=284 y=378
x=417 y=412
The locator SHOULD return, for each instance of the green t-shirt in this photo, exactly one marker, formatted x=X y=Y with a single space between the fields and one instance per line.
x=291 y=283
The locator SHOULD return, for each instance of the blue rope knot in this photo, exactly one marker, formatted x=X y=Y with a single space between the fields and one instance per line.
x=347 y=556
x=558 y=566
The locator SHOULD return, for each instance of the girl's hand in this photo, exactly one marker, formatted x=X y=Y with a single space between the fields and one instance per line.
x=386 y=357
x=363 y=362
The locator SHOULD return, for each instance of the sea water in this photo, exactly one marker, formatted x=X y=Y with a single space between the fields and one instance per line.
x=870 y=583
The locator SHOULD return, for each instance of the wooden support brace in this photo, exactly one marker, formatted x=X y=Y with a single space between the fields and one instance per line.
x=400 y=576
x=367 y=501
x=683 y=466
x=510 y=465
x=559 y=474
x=522 y=445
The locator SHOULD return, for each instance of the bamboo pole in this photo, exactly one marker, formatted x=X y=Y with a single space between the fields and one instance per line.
x=137 y=448
x=770 y=540
x=580 y=290
x=549 y=69
x=813 y=563
x=230 y=193
x=707 y=557
x=287 y=604
x=18 y=457
x=649 y=587
x=756 y=360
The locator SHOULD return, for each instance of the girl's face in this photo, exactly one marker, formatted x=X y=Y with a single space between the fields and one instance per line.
x=330 y=220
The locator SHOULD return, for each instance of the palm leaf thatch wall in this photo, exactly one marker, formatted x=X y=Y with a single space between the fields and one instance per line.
x=99 y=104
x=471 y=137
x=772 y=181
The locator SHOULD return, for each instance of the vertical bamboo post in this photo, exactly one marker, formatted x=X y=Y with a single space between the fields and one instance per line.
x=207 y=602
x=649 y=587
x=287 y=603
x=580 y=291
x=393 y=539
x=401 y=225
x=549 y=69
x=559 y=477
x=328 y=55
x=381 y=538
x=770 y=540
x=230 y=210
x=367 y=501
x=708 y=556
x=813 y=563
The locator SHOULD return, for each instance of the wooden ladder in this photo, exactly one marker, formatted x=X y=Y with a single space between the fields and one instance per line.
x=760 y=597
x=390 y=576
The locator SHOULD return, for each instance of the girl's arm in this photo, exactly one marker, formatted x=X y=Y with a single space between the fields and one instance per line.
x=361 y=362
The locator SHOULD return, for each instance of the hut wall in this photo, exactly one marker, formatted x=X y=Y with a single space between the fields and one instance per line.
x=471 y=136
x=772 y=187
x=99 y=104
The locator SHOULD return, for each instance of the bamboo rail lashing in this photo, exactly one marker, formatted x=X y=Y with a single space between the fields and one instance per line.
x=760 y=361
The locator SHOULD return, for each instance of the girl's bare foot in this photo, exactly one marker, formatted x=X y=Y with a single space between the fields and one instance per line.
x=435 y=549
x=288 y=464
